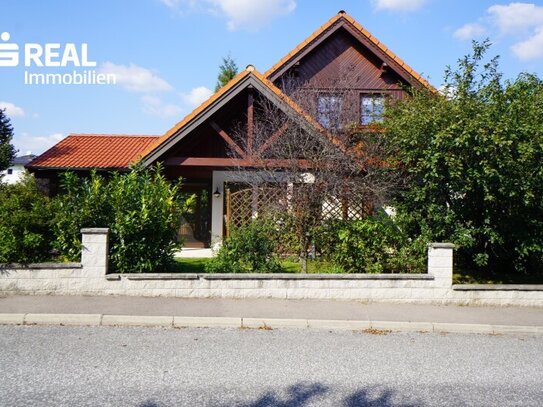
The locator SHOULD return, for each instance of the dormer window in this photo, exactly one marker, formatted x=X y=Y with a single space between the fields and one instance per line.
x=329 y=111
x=372 y=108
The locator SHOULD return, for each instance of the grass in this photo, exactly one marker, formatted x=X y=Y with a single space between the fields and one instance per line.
x=190 y=265
x=197 y=265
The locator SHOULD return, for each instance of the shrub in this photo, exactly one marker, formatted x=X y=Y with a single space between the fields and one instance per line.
x=25 y=233
x=142 y=210
x=371 y=245
x=248 y=249
x=473 y=165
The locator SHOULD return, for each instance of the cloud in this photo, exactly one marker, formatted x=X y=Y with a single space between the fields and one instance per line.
x=398 y=5
x=170 y=3
x=532 y=48
x=36 y=144
x=154 y=106
x=521 y=23
x=250 y=15
x=196 y=96
x=12 y=110
x=516 y=17
x=469 y=31
x=136 y=78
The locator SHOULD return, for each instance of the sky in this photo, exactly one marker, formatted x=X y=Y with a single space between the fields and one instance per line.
x=165 y=54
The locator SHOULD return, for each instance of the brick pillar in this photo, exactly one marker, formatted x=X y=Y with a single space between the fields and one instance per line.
x=440 y=263
x=94 y=253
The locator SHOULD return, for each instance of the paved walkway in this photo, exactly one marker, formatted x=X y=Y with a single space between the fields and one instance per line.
x=193 y=252
x=283 y=309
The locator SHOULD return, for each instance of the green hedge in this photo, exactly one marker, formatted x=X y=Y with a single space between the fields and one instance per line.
x=25 y=213
x=142 y=209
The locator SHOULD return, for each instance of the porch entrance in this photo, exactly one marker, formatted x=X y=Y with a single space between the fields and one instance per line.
x=196 y=226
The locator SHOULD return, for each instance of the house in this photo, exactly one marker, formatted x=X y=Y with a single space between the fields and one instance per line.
x=16 y=170
x=341 y=53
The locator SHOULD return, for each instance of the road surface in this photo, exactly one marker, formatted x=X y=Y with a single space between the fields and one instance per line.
x=151 y=367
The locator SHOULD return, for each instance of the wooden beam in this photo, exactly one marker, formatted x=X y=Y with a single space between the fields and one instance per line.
x=272 y=139
x=250 y=121
x=232 y=162
x=227 y=138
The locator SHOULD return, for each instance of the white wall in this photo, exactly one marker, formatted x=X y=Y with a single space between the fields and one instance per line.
x=17 y=174
x=90 y=278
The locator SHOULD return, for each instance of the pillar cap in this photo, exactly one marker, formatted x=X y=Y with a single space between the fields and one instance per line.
x=441 y=245
x=95 y=231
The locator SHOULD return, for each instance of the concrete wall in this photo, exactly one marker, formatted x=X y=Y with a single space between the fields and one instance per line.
x=90 y=278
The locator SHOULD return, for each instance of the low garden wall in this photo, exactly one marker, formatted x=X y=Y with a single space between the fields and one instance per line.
x=90 y=277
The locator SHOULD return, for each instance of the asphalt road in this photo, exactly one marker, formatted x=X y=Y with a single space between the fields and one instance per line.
x=72 y=366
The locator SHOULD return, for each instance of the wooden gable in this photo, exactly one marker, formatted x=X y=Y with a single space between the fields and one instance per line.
x=343 y=49
x=209 y=136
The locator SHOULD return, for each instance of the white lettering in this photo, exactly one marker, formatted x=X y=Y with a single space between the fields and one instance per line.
x=70 y=55
x=33 y=53
x=84 y=56
x=51 y=54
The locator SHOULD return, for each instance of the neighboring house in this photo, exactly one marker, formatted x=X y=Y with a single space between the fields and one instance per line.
x=16 y=170
x=198 y=148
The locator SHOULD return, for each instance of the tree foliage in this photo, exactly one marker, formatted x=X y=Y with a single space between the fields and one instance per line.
x=25 y=213
x=7 y=151
x=227 y=70
x=472 y=157
x=249 y=249
x=339 y=167
x=142 y=209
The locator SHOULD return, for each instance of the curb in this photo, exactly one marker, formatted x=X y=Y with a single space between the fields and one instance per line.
x=260 y=323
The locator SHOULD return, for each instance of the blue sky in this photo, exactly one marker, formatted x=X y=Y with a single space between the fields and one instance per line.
x=166 y=53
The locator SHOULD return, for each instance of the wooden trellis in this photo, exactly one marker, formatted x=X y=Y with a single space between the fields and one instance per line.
x=246 y=204
x=249 y=203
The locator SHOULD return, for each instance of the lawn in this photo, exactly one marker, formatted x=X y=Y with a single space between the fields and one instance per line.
x=197 y=265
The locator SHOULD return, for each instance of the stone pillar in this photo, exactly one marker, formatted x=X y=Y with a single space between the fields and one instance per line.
x=440 y=263
x=94 y=253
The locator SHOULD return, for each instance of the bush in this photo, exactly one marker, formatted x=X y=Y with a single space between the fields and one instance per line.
x=25 y=232
x=248 y=249
x=473 y=165
x=372 y=245
x=142 y=210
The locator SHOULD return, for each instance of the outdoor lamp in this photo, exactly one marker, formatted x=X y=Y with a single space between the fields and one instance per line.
x=217 y=193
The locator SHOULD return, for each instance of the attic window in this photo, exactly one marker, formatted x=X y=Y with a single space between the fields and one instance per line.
x=372 y=107
x=329 y=111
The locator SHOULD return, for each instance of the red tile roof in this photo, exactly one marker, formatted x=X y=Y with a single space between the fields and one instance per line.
x=85 y=151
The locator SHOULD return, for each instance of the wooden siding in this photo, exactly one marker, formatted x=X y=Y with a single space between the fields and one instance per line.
x=342 y=59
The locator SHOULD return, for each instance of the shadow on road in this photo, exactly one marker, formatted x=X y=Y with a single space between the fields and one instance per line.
x=301 y=395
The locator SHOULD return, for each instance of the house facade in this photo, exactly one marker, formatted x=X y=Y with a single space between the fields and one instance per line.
x=341 y=69
x=15 y=172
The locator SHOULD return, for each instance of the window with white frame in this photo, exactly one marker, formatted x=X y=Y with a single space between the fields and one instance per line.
x=372 y=108
x=329 y=111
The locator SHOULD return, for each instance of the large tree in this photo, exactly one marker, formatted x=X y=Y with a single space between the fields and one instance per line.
x=227 y=70
x=7 y=151
x=316 y=172
x=472 y=155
